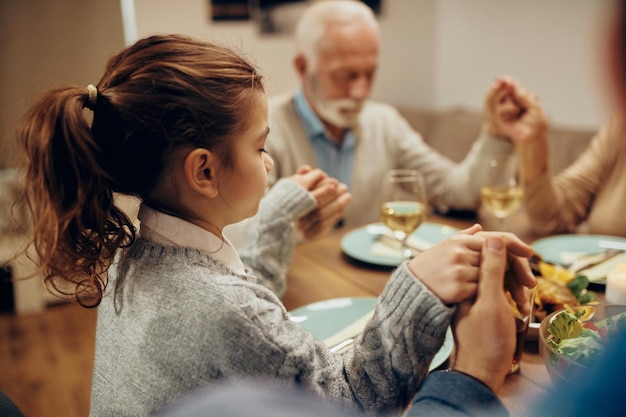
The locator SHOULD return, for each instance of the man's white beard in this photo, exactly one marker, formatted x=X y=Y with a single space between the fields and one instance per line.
x=343 y=113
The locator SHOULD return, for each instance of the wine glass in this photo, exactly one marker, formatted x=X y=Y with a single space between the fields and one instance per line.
x=500 y=192
x=404 y=205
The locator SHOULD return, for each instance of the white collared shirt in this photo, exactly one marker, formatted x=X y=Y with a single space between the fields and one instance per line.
x=158 y=227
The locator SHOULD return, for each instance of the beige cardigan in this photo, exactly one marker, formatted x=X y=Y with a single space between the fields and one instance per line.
x=385 y=141
x=590 y=195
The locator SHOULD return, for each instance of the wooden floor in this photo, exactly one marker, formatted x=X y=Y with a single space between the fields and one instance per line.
x=46 y=360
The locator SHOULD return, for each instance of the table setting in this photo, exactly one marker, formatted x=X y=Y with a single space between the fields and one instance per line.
x=339 y=321
x=593 y=255
x=374 y=244
x=333 y=282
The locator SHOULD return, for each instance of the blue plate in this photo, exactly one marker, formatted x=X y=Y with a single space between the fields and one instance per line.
x=558 y=248
x=325 y=318
x=358 y=243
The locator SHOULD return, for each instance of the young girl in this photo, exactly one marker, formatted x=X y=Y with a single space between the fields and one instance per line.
x=182 y=125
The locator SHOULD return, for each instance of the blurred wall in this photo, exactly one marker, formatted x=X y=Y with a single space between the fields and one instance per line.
x=552 y=46
x=442 y=53
x=44 y=43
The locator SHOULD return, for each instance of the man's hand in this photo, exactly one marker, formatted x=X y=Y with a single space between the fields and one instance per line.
x=518 y=253
x=484 y=329
x=332 y=198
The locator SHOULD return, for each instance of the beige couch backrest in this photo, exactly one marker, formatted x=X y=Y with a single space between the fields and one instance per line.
x=452 y=132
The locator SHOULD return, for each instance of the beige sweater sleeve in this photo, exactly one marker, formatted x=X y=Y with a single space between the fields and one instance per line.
x=561 y=203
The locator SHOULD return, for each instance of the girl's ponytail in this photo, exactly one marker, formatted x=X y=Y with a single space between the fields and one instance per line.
x=76 y=226
x=159 y=96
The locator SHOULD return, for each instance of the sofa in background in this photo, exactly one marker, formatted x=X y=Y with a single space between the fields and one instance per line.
x=453 y=131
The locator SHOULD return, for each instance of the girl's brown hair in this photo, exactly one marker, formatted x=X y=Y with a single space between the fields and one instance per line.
x=160 y=95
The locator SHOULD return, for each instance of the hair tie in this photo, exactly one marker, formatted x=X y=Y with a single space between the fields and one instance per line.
x=93 y=96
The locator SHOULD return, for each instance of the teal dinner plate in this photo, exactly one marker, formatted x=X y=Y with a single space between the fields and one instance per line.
x=326 y=318
x=358 y=243
x=556 y=249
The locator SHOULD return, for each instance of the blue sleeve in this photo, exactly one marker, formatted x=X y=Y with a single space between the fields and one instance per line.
x=7 y=407
x=454 y=394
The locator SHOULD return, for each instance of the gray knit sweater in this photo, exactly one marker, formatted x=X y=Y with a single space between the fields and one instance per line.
x=176 y=320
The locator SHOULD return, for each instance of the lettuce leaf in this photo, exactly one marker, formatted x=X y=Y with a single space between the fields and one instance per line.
x=566 y=325
x=578 y=286
x=613 y=324
x=582 y=350
x=580 y=344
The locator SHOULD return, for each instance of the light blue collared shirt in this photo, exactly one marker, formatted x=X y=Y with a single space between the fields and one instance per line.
x=335 y=159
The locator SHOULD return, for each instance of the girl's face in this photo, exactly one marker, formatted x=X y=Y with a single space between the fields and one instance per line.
x=242 y=191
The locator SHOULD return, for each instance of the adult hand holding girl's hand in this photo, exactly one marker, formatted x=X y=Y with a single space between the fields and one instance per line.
x=484 y=328
x=332 y=198
x=451 y=269
x=518 y=253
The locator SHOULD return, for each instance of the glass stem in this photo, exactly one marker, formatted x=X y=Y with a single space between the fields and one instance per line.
x=501 y=224
x=406 y=250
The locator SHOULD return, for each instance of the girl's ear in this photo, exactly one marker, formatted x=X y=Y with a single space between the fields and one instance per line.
x=201 y=172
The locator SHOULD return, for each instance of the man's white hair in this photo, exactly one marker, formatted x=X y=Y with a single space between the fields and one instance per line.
x=313 y=22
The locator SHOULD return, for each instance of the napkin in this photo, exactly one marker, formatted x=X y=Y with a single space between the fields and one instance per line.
x=389 y=247
x=596 y=273
x=350 y=331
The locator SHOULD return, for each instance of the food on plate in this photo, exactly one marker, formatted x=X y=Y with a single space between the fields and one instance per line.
x=551 y=297
x=558 y=288
x=554 y=272
x=582 y=341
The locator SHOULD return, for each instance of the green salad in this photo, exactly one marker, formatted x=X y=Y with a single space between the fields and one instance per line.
x=581 y=341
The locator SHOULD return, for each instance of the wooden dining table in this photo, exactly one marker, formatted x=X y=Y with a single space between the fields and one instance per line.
x=321 y=271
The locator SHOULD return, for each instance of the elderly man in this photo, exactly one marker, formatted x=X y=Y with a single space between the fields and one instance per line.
x=329 y=123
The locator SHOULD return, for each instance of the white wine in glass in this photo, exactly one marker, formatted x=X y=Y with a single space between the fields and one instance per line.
x=501 y=201
x=500 y=193
x=404 y=205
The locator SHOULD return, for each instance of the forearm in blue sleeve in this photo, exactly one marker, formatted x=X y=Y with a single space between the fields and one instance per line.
x=454 y=394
